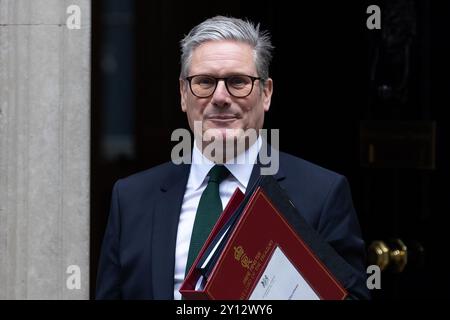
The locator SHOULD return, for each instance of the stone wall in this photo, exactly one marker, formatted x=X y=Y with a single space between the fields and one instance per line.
x=44 y=149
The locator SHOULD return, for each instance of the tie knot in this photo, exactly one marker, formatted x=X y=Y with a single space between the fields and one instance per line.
x=218 y=173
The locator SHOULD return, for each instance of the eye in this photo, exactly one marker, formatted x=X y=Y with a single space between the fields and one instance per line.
x=204 y=81
x=238 y=81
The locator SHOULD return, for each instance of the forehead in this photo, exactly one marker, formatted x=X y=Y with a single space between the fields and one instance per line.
x=223 y=57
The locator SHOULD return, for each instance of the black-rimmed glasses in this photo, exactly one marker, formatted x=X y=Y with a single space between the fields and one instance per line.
x=239 y=86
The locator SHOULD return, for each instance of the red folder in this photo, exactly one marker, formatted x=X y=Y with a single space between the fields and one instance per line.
x=261 y=229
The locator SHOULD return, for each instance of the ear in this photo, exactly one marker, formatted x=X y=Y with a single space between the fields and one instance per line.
x=183 y=95
x=267 y=94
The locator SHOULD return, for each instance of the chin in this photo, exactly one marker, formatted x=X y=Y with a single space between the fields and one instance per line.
x=228 y=133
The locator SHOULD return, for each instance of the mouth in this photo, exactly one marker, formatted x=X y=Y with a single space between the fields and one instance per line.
x=222 y=118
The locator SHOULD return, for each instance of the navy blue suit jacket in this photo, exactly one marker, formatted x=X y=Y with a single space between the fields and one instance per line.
x=138 y=251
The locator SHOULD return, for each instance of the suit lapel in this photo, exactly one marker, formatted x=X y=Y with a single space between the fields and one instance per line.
x=165 y=225
x=256 y=172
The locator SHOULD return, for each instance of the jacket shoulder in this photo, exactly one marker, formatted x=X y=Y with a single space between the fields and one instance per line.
x=305 y=170
x=151 y=179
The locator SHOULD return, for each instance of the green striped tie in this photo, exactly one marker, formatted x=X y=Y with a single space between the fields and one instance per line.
x=208 y=211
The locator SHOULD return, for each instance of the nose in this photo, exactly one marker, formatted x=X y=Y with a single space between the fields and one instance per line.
x=221 y=97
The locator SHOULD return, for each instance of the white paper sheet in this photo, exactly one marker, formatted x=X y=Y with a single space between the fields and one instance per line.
x=282 y=281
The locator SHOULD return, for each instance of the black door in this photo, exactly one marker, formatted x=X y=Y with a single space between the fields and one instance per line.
x=369 y=104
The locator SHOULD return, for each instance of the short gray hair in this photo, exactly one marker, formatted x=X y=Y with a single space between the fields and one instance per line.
x=227 y=28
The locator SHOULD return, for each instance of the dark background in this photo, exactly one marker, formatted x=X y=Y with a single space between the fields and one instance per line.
x=338 y=87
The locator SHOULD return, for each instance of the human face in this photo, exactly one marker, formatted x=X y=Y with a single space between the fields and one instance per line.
x=222 y=111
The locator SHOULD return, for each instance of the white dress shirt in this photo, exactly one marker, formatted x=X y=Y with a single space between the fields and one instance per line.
x=241 y=168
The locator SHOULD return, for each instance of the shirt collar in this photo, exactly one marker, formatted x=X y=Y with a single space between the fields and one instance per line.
x=240 y=167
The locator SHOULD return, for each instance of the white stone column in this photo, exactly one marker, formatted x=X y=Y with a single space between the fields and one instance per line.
x=44 y=149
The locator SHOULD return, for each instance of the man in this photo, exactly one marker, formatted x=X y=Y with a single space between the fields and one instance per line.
x=154 y=225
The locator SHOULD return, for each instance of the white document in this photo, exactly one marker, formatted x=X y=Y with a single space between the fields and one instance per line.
x=200 y=285
x=282 y=281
